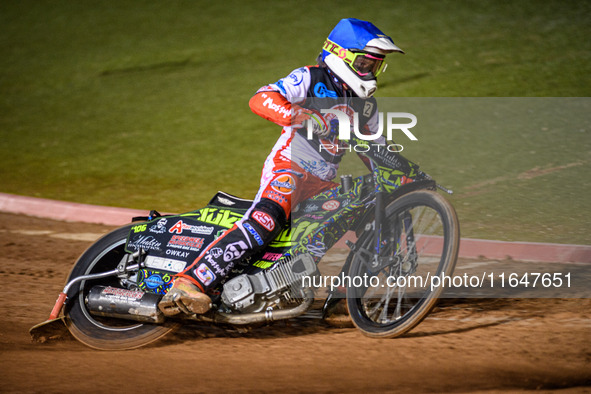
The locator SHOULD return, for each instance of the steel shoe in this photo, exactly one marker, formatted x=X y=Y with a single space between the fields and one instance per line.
x=185 y=297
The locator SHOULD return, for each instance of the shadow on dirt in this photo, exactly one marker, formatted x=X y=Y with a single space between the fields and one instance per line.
x=458 y=315
x=282 y=329
x=462 y=310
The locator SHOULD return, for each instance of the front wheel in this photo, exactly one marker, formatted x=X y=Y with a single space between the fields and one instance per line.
x=101 y=332
x=391 y=279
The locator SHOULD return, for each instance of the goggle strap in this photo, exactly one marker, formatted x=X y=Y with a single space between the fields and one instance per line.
x=337 y=50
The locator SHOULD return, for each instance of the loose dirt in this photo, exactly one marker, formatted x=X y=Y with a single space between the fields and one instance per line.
x=465 y=345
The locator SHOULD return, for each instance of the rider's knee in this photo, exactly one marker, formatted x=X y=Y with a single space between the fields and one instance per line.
x=266 y=219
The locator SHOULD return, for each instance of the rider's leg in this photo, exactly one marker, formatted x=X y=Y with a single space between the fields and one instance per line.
x=248 y=236
x=261 y=223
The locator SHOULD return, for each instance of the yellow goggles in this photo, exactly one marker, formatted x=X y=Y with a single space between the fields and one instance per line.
x=361 y=62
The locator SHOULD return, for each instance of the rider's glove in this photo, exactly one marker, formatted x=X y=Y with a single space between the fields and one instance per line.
x=320 y=126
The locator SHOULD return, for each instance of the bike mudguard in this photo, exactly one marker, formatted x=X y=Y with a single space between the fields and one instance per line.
x=173 y=242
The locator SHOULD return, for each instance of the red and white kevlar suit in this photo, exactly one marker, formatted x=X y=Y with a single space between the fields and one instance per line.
x=298 y=167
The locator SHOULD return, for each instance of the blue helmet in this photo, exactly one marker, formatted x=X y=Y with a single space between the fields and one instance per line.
x=355 y=52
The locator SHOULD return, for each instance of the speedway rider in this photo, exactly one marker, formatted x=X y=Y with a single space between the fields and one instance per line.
x=297 y=167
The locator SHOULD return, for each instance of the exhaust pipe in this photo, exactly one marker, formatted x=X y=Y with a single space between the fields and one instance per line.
x=126 y=304
x=136 y=305
x=259 y=317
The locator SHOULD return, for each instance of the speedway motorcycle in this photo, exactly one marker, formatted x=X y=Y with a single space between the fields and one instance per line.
x=406 y=232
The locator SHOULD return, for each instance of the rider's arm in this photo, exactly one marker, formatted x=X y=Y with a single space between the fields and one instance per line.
x=278 y=101
x=272 y=106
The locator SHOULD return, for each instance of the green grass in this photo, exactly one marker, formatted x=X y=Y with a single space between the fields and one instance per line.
x=144 y=104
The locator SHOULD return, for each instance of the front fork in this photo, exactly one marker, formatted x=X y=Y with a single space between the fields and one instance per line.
x=378 y=259
x=389 y=237
x=380 y=224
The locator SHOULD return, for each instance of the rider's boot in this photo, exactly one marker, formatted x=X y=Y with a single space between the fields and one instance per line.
x=245 y=238
x=184 y=296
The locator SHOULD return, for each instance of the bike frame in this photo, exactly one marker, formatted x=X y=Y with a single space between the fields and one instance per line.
x=370 y=195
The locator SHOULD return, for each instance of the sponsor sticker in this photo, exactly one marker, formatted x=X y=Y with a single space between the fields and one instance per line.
x=177 y=253
x=286 y=112
x=331 y=205
x=204 y=274
x=159 y=227
x=284 y=184
x=226 y=201
x=269 y=256
x=154 y=281
x=185 y=242
x=123 y=293
x=146 y=242
x=216 y=252
x=234 y=251
x=311 y=208
x=264 y=219
x=254 y=233
x=181 y=226
x=210 y=257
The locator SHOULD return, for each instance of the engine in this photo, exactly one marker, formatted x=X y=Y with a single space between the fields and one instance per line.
x=279 y=286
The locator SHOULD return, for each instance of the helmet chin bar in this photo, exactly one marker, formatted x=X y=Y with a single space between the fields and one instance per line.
x=363 y=89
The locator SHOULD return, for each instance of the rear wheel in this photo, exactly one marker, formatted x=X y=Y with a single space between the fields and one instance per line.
x=102 y=332
x=420 y=240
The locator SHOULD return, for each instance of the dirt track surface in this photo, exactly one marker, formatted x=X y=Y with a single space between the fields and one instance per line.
x=463 y=346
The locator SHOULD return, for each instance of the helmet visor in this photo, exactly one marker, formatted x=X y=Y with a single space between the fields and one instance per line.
x=365 y=63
